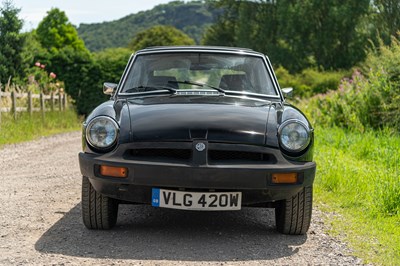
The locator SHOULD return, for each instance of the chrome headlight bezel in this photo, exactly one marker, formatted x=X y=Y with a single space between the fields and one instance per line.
x=112 y=132
x=305 y=135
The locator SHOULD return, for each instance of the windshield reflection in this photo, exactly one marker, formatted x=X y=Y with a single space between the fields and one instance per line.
x=184 y=71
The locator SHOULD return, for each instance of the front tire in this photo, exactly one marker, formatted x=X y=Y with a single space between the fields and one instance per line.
x=293 y=216
x=98 y=211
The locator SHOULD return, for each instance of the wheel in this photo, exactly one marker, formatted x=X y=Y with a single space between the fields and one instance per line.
x=98 y=211
x=293 y=216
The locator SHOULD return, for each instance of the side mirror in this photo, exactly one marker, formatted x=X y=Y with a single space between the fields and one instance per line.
x=109 y=88
x=287 y=92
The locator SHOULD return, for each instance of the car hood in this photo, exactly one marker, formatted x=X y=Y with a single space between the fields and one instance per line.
x=191 y=121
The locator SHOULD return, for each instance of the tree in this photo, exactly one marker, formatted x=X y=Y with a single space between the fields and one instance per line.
x=296 y=34
x=31 y=53
x=67 y=56
x=331 y=34
x=388 y=15
x=11 y=42
x=56 y=32
x=160 y=36
x=223 y=31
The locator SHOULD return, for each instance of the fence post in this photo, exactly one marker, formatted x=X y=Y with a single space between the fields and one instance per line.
x=52 y=101
x=42 y=107
x=1 y=103
x=59 y=101
x=14 y=104
x=30 y=107
x=65 y=101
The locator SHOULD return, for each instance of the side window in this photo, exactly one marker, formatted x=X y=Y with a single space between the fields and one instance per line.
x=135 y=75
x=262 y=78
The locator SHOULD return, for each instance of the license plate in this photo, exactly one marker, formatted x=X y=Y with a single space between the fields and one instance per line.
x=207 y=201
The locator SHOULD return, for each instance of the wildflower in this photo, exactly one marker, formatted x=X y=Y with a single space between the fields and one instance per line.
x=52 y=75
x=42 y=66
x=37 y=64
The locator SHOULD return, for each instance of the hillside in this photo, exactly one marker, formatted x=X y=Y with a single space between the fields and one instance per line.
x=191 y=18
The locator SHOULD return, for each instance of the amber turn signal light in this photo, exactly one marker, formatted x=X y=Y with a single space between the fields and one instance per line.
x=113 y=171
x=284 y=178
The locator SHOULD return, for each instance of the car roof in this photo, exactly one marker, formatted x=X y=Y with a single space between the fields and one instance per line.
x=199 y=48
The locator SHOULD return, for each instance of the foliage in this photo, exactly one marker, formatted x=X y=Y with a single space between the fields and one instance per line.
x=191 y=17
x=39 y=80
x=369 y=100
x=112 y=62
x=28 y=127
x=223 y=31
x=11 y=42
x=358 y=182
x=58 y=47
x=82 y=77
x=332 y=36
x=66 y=55
x=32 y=52
x=310 y=81
x=56 y=32
x=386 y=61
x=387 y=18
x=160 y=36
x=82 y=72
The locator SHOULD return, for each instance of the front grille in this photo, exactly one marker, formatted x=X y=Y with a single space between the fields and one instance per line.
x=186 y=153
x=161 y=154
x=222 y=156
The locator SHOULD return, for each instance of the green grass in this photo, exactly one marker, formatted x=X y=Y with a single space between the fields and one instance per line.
x=27 y=127
x=358 y=181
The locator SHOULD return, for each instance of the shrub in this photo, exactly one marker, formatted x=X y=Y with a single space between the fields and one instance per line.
x=112 y=63
x=310 y=81
x=366 y=100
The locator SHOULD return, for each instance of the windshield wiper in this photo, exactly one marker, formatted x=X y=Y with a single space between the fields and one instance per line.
x=196 y=84
x=142 y=88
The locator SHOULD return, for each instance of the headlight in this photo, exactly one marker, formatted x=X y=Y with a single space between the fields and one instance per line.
x=294 y=135
x=102 y=132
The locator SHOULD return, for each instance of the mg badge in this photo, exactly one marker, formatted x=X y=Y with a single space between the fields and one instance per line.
x=200 y=146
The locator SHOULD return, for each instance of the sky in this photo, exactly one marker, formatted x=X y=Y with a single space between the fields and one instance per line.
x=81 y=11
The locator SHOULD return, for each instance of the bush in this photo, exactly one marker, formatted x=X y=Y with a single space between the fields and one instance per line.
x=386 y=62
x=112 y=63
x=310 y=81
x=85 y=74
x=366 y=100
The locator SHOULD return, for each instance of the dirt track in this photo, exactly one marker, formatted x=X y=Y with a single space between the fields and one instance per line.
x=40 y=223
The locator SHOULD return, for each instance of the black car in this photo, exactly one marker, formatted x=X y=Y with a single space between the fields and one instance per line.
x=198 y=128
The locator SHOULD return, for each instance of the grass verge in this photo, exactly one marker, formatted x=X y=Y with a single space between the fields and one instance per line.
x=358 y=185
x=28 y=127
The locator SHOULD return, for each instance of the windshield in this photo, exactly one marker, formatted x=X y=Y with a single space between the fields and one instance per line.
x=199 y=71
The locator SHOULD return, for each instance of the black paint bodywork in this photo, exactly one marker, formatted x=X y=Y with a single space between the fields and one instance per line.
x=158 y=135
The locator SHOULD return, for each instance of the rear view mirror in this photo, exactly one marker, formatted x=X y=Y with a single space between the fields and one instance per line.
x=287 y=92
x=109 y=88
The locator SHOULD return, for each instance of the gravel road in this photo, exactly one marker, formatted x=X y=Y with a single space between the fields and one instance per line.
x=40 y=223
